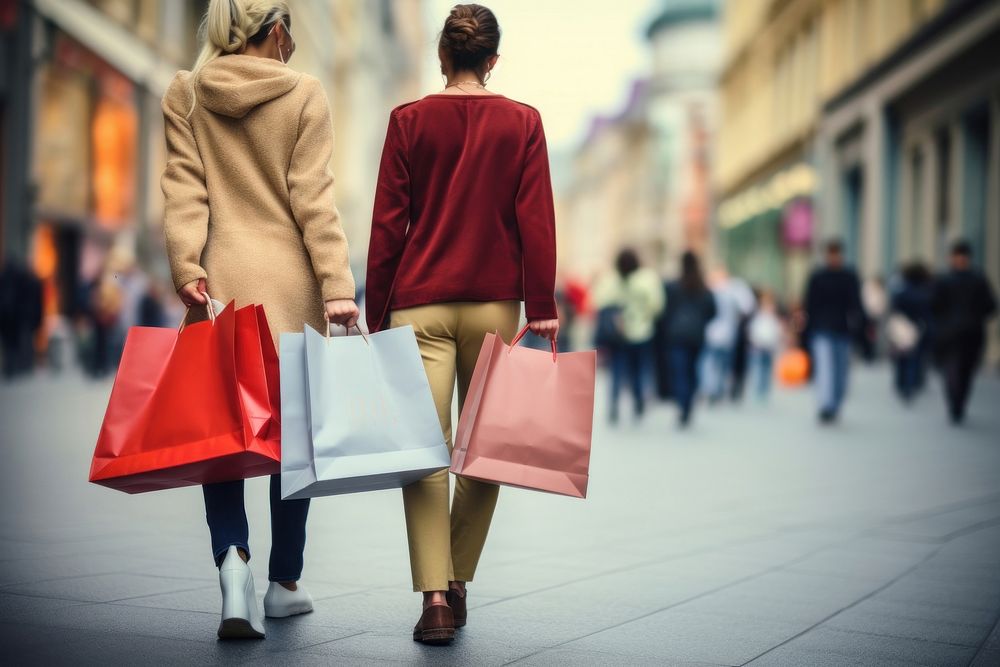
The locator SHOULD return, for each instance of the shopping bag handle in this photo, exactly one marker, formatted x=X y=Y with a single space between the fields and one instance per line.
x=327 y=318
x=520 y=335
x=209 y=306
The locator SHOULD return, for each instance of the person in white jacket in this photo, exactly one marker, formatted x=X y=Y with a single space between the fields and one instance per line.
x=734 y=300
x=765 y=333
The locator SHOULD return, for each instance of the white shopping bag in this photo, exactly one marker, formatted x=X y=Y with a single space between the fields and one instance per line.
x=357 y=414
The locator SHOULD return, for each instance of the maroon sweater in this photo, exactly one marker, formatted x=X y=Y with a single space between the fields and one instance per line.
x=463 y=208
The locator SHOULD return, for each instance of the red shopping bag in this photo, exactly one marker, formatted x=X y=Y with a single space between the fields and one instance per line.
x=528 y=418
x=193 y=406
x=257 y=373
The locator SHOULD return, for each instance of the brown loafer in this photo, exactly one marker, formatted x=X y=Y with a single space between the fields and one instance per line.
x=436 y=625
x=458 y=608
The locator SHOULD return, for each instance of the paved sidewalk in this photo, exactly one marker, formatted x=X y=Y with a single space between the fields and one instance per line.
x=756 y=538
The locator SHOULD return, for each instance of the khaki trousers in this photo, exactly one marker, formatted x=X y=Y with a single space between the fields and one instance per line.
x=445 y=546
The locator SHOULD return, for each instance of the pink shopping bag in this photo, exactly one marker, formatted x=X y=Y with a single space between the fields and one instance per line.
x=528 y=418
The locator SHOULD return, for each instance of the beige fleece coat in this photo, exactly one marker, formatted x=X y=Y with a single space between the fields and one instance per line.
x=249 y=193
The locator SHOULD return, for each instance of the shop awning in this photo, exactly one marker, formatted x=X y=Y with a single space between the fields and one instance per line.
x=112 y=42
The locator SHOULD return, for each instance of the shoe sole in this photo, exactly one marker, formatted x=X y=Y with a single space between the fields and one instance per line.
x=437 y=637
x=294 y=611
x=238 y=628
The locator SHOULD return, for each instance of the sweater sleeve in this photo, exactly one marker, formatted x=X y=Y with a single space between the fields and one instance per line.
x=310 y=189
x=537 y=226
x=390 y=219
x=185 y=213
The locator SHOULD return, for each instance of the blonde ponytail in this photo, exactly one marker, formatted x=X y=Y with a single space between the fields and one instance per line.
x=228 y=26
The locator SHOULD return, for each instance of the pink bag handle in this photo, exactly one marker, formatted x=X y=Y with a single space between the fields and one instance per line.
x=520 y=335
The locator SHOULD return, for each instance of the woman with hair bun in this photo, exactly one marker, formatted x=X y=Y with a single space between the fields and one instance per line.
x=463 y=231
x=250 y=217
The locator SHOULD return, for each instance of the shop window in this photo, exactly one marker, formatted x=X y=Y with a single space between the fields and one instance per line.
x=975 y=178
x=113 y=134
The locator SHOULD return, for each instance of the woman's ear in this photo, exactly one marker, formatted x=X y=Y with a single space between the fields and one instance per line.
x=491 y=62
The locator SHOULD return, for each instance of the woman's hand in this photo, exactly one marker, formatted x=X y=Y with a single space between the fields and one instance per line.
x=545 y=328
x=193 y=293
x=343 y=312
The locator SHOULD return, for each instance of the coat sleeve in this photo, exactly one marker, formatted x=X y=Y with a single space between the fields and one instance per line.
x=537 y=226
x=185 y=212
x=310 y=189
x=390 y=220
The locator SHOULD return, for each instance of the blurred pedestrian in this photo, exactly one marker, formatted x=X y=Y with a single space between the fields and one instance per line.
x=105 y=309
x=690 y=307
x=741 y=346
x=249 y=216
x=908 y=329
x=764 y=333
x=463 y=230
x=961 y=304
x=834 y=313
x=630 y=298
x=734 y=302
x=152 y=309
x=875 y=301
x=21 y=312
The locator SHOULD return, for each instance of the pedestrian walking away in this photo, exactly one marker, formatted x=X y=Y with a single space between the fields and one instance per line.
x=908 y=329
x=764 y=333
x=463 y=230
x=834 y=315
x=734 y=301
x=249 y=141
x=962 y=303
x=629 y=300
x=690 y=307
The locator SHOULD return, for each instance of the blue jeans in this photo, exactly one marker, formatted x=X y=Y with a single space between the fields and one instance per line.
x=684 y=376
x=715 y=369
x=227 y=522
x=762 y=363
x=629 y=363
x=831 y=355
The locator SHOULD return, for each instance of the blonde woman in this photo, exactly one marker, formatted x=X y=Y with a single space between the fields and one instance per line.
x=463 y=231
x=250 y=216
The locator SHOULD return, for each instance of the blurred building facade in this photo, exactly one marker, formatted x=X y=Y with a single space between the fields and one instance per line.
x=870 y=120
x=641 y=177
x=82 y=136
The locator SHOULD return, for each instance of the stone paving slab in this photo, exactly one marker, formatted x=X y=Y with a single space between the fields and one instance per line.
x=754 y=538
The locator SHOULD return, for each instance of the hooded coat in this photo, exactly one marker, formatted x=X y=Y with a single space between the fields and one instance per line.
x=248 y=190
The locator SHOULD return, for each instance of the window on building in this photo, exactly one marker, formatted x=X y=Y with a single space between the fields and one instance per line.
x=917 y=213
x=942 y=189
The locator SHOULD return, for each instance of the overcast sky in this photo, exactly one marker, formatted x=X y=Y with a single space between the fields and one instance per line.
x=569 y=58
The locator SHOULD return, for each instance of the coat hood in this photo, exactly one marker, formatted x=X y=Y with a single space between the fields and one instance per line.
x=233 y=85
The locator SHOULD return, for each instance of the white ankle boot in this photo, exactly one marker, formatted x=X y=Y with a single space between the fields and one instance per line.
x=241 y=617
x=280 y=602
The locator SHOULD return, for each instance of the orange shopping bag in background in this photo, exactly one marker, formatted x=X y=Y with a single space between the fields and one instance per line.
x=192 y=406
x=793 y=367
x=528 y=418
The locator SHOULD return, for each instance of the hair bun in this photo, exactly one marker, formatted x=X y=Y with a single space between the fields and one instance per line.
x=470 y=36
x=461 y=30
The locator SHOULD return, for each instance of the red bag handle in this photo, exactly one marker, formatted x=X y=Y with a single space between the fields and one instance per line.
x=520 y=335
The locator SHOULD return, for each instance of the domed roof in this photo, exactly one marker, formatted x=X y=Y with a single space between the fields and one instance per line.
x=683 y=11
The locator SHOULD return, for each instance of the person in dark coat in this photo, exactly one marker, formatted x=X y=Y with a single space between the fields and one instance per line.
x=690 y=307
x=834 y=313
x=21 y=312
x=908 y=329
x=961 y=304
